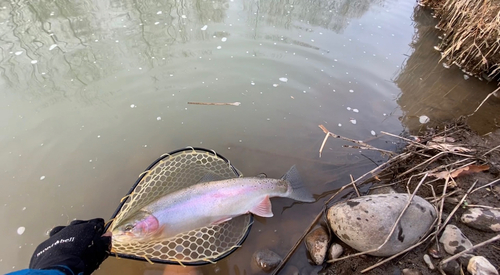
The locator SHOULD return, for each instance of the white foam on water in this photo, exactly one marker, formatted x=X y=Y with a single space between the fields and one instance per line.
x=204 y=27
x=21 y=230
x=424 y=119
x=283 y=79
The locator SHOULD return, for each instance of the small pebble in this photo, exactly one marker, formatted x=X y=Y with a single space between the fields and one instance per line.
x=453 y=240
x=427 y=260
x=266 y=259
x=317 y=245
x=452 y=268
x=408 y=271
x=335 y=251
x=479 y=265
x=483 y=219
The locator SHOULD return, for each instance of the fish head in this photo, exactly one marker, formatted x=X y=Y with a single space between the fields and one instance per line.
x=138 y=227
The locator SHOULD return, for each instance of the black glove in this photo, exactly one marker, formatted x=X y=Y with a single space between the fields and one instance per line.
x=79 y=246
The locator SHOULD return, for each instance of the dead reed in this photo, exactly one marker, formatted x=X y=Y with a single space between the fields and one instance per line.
x=470 y=34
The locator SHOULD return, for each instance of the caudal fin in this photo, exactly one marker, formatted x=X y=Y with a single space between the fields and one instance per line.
x=299 y=191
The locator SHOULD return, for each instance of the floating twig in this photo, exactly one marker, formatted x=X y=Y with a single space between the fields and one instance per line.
x=216 y=103
x=362 y=144
x=484 y=100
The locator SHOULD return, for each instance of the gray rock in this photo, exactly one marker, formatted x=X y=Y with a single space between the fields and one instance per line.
x=266 y=259
x=479 y=265
x=483 y=219
x=335 y=251
x=364 y=223
x=317 y=245
x=427 y=260
x=452 y=268
x=408 y=271
x=453 y=240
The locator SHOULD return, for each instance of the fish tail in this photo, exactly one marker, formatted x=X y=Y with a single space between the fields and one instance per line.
x=299 y=191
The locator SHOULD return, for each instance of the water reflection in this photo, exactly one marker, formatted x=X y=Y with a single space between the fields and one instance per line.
x=303 y=14
x=429 y=88
x=61 y=48
x=93 y=91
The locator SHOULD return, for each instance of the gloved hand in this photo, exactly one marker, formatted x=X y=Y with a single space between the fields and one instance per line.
x=79 y=246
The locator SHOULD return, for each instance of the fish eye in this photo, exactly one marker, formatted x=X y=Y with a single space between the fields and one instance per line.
x=128 y=227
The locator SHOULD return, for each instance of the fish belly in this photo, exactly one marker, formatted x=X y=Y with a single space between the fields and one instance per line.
x=208 y=204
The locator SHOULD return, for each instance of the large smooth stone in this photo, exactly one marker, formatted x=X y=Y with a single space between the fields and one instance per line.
x=364 y=223
x=483 y=219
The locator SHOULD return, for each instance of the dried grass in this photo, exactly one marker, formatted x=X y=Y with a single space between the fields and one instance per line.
x=470 y=34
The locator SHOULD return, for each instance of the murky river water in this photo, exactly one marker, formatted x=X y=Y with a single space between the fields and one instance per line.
x=93 y=91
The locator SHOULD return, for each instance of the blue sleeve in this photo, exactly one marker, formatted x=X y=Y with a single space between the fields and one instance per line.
x=36 y=272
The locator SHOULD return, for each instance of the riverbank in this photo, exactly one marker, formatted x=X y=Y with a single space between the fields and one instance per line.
x=461 y=167
x=470 y=35
x=455 y=170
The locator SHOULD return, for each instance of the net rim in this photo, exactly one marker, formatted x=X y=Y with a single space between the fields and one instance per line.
x=141 y=176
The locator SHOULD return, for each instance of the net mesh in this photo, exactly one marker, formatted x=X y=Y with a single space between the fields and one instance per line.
x=173 y=172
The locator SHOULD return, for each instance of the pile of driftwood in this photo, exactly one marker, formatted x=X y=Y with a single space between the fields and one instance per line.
x=429 y=166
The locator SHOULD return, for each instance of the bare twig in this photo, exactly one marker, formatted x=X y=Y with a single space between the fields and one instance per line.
x=484 y=100
x=354 y=186
x=323 y=144
x=455 y=209
x=495 y=148
x=486 y=185
x=362 y=144
x=216 y=103
x=483 y=206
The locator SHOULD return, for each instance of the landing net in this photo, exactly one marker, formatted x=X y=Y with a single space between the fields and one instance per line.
x=171 y=172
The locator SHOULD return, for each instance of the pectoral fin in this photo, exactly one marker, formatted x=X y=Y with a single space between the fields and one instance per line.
x=263 y=208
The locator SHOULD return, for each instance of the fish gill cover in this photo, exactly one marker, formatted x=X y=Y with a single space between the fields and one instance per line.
x=171 y=172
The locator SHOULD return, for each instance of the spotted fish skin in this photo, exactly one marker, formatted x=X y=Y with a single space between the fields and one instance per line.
x=209 y=203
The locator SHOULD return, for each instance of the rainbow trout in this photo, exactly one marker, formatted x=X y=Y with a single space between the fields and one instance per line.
x=208 y=203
